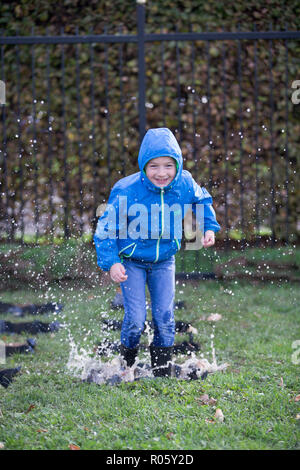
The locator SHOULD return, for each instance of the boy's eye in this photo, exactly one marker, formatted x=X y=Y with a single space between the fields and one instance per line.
x=155 y=166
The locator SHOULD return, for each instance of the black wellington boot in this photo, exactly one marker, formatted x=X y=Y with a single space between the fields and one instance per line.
x=128 y=354
x=6 y=376
x=19 y=348
x=161 y=361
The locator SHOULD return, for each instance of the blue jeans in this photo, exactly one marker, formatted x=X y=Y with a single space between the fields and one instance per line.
x=160 y=278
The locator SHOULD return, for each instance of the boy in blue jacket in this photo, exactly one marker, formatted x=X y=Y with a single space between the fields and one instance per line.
x=139 y=250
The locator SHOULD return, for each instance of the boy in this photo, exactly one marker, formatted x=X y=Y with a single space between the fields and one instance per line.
x=136 y=258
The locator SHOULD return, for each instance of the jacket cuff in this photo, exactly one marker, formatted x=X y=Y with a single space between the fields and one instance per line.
x=214 y=228
x=107 y=266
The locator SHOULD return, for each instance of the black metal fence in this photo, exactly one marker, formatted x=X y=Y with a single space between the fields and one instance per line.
x=77 y=107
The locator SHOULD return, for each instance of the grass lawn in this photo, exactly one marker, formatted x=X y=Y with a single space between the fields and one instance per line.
x=46 y=407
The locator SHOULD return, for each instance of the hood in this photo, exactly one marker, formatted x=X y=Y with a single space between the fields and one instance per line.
x=159 y=142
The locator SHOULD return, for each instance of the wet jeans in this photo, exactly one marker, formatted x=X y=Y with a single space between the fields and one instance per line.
x=160 y=278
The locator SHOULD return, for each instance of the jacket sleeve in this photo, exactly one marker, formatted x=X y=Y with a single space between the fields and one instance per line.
x=210 y=221
x=106 y=234
x=202 y=196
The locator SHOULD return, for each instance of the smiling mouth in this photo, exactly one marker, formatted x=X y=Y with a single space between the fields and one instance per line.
x=164 y=180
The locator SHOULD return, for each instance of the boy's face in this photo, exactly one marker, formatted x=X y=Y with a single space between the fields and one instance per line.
x=161 y=171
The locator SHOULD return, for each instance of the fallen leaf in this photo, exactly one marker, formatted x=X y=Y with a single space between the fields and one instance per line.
x=219 y=415
x=297 y=398
x=207 y=420
x=212 y=401
x=73 y=447
x=30 y=408
x=281 y=384
x=169 y=435
x=205 y=400
x=42 y=430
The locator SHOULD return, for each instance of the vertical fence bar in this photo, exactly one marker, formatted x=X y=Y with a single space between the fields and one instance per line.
x=225 y=143
x=195 y=158
x=4 y=185
x=122 y=103
x=287 y=213
x=179 y=115
x=287 y=202
x=13 y=193
x=34 y=143
x=94 y=153
x=257 y=189
x=12 y=188
x=240 y=114
x=163 y=80
x=20 y=150
x=64 y=126
x=271 y=98
x=49 y=142
x=107 y=117
x=141 y=68
x=78 y=128
x=178 y=90
x=210 y=182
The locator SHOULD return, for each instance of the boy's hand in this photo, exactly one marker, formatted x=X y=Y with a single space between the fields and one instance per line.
x=208 y=239
x=117 y=272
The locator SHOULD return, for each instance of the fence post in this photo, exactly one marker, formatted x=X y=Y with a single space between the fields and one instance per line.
x=141 y=66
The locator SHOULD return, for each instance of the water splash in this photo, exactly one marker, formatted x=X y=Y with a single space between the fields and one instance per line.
x=87 y=367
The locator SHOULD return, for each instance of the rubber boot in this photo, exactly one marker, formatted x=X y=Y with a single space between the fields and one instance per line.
x=30 y=327
x=7 y=375
x=20 y=348
x=128 y=354
x=161 y=361
x=41 y=309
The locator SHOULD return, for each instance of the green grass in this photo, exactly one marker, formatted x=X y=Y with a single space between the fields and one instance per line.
x=256 y=393
x=208 y=260
x=76 y=259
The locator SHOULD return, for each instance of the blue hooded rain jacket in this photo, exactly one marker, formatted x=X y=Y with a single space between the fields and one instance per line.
x=135 y=202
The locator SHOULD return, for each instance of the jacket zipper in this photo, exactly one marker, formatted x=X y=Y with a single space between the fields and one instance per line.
x=162 y=224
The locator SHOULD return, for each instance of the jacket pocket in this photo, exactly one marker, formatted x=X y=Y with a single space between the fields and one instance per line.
x=129 y=250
